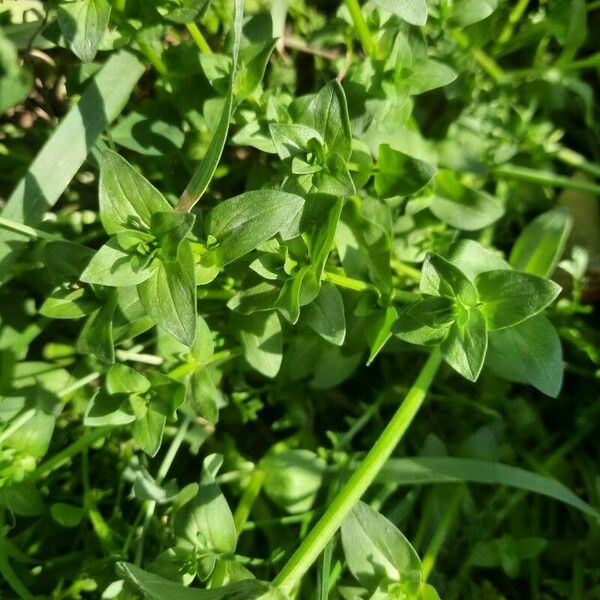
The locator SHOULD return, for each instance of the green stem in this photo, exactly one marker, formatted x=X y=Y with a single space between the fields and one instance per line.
x=6 y=571
x=27 y=231
x=78 y=384
x=515 y=16
x=349 y=283
x=150 y=507
x=198 y=38
x=574 y=159
x=17 y=423
x=207 y=294
x=242 y=512
x=487 y=63
x=441 y=533
x=355 y=487
x=362 y=29
x=545 y=178
x=405 y=270
x=69 y=452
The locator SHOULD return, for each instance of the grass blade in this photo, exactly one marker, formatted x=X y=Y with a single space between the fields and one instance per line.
x=421 y=471
x=66 y=150
x=201 y=178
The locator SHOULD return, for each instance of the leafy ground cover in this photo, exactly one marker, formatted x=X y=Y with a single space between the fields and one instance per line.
x=297 y=299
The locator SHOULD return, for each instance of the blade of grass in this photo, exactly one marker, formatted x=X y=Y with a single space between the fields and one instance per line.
x=66 y=150
x=427 y=470
x=203 y=175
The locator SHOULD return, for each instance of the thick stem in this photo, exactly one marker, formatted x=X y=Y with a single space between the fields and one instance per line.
x=364 y=35
x=355 y=487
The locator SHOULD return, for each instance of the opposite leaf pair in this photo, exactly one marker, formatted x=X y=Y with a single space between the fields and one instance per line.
x=146 y=401
x=148 y=248
x=457 y=311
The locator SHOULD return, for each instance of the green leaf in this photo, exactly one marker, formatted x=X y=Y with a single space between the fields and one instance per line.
x=430 y=470
x=122 y=379
x=33 y=438
x=463 y=207
x=440 y=277
x=252 y=64
x=510 y=297
x=169 y=296
x=375 y=549
x=262 y=341
x=15 y=81
x=208 y=523
x=378 y=330
x=113 y=266
x=186 y=11
x=293 y=479
x=66 y=303
x=148 y=431
x=105 y=409
x=97 y=336
x=43 y=183
x=155 y=587
x=83 y=24
x=204 y=173
x=429 y=75
x=472 y=258
x=127 y=199
x=466 y=344
x=412 y=11
x=541 y=244
x=400 y=174
x=67 y=515
x=148 y=135
x=170 y=229
x=167 y=394
x=325 y=315
x=426 y=322
x=241 y=223
x=467 y=12
x=529 y=352
x=320 y=217
x=292 y=140
x=327 y=113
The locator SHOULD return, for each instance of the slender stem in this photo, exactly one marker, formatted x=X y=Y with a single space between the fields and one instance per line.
x=441 y=533
x=78 y=384
x=513 y=18
x=17 y=423
x=69 y=452
x=355 y=487
x=198 y=38
x=546 y=178
x=242 y=512
x=403 y=296
x=405 y=270
x=167 y=461
x=6 y=571
x=487 y=63
x=207 y=294
x=574 y=159
x=349 y=283
x=362 y=29
x=27 y=231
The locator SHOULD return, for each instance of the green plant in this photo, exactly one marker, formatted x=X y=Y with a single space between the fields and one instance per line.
x=242 y=285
